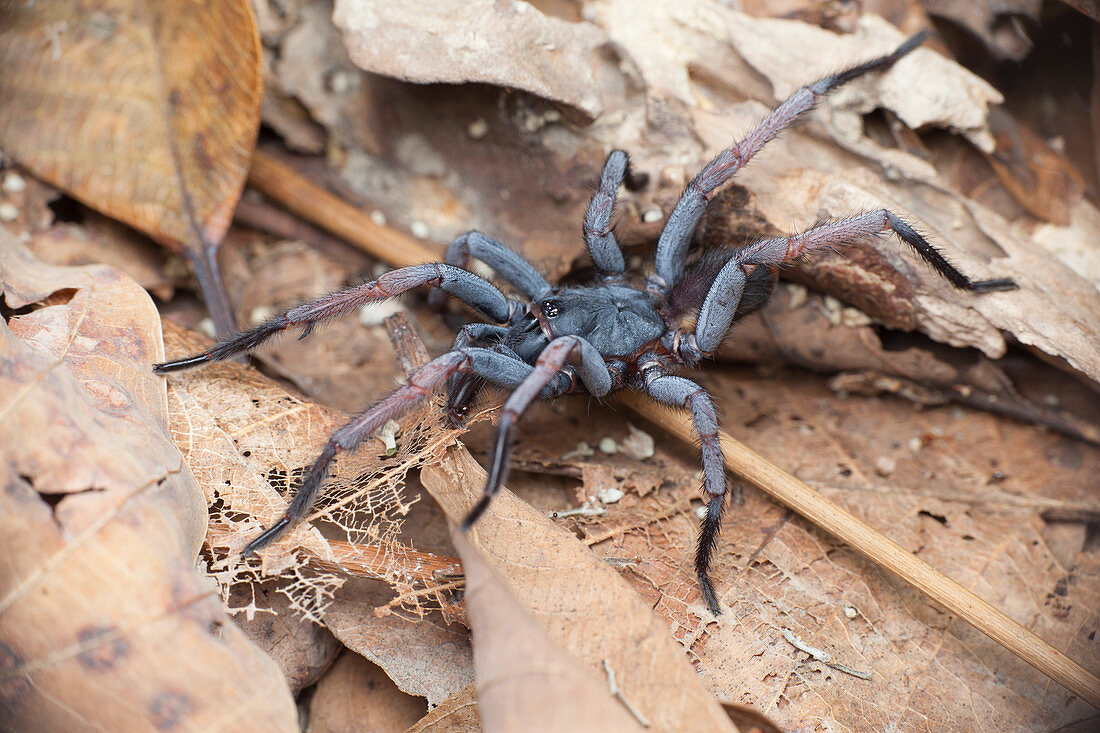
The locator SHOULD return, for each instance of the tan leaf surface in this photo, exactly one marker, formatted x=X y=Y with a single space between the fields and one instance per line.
x=458 y=714
x=444 y=41
x=301 y=648
x=93 y=482
x=423 y=657
x=580 y=602
x=240 y=434
x=146 y=111
x=964 y=490
x=356 y=695
x=522 y=676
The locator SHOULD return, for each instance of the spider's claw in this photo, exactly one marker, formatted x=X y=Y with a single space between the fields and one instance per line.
x=270 y=535
x=993 y=286
x=178 y=364
x=709 y=596
x=476 y=512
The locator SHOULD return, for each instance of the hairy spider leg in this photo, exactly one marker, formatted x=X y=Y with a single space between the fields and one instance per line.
x=722 y=300
x=593 y=373
x=673 y=243
x=680 y=392
x=509 y=265
x=601 y=242
x=491 y=365
x=463 y=388
x=462 y=284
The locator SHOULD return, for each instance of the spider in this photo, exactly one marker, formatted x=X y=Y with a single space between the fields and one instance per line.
x=615 y=333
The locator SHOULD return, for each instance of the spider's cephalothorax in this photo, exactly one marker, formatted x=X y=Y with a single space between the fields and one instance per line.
x=596 y=339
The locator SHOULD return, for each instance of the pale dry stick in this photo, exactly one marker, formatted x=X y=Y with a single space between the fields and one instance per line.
x=862 y=538
x=279 y=182
x=283 y=184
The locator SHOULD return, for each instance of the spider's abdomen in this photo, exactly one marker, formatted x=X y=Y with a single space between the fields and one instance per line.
x=616 y=320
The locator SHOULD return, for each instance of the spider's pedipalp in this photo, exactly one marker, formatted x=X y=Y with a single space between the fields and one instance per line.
x=673 y=244
x=601 y=242
x=462 y=284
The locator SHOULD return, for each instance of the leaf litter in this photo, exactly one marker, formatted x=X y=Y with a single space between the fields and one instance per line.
x=965 y=490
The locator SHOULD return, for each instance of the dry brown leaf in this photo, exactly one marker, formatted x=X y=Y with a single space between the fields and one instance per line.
x=301 y=648
x=93 y=483
x=522 y=676
x=146 y=111
x=581 y=603
x=444 y=41
x=458 y=714
x=424 y=658
x=240 y=432
x=355 y=695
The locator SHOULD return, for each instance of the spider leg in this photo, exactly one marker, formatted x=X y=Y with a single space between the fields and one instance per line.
x=605 y=251
x=460 y=283
x=491 y=365
x=673 y=243
x=507 y=264
x=593 y=373
x=681 y=392
x=463 y=388
x=725 y=294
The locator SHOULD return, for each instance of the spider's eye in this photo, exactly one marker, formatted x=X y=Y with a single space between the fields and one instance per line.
x=550 y=308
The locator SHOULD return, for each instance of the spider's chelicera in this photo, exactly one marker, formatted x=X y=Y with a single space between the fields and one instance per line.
x=594 y=340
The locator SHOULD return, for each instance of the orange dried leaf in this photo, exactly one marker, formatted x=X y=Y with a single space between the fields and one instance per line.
x=146 y=111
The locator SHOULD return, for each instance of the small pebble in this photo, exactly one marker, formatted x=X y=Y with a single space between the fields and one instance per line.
x=478 y=129
x=915 y=445
x=378 y=218
x=8 y=212
x=609 y=496
x=850 y=612
x=14 y=183
x=885 y=465
x=372 y=314
x=260 y=314
x=206 y=325
x=420 y=230
x=608 y=445
x=653 y=215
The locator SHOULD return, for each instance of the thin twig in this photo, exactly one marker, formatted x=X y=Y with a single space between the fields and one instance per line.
x=613 y=689
x=980 y=614
x=822 y=656
x=279 y=182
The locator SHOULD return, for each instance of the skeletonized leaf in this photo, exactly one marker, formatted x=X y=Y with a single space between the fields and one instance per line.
x=146 y=111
